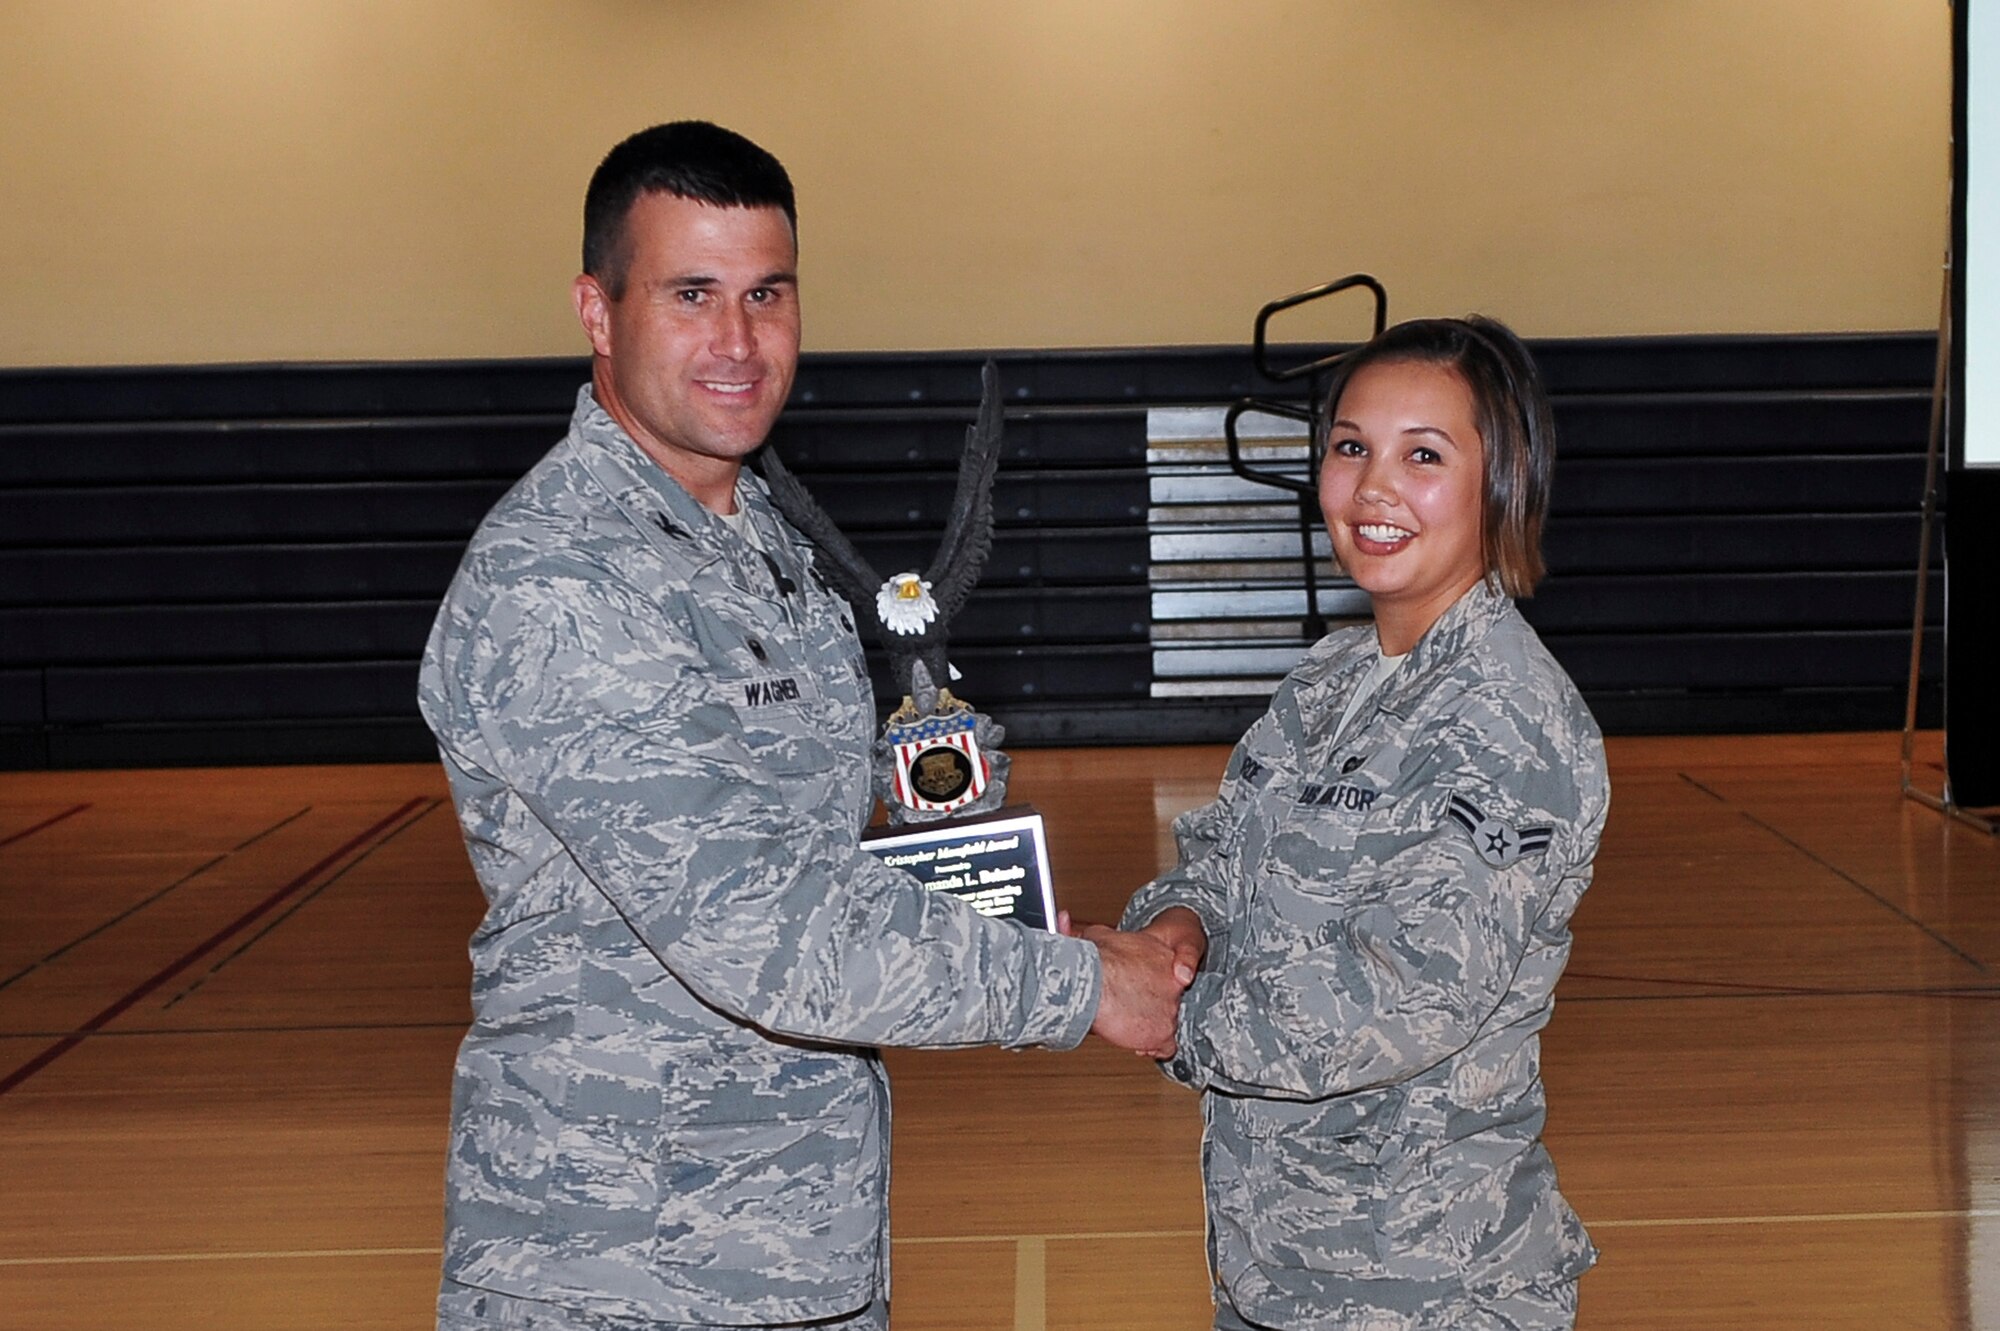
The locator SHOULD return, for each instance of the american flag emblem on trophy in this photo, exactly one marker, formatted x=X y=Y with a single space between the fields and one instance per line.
x=938 y=764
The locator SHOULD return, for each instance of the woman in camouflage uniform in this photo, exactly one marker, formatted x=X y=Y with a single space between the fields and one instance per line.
x=1379 y=896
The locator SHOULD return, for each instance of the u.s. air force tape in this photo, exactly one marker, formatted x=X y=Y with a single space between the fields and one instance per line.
x=1498 y=843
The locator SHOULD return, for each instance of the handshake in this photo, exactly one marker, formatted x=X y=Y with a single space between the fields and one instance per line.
x=1145 y=973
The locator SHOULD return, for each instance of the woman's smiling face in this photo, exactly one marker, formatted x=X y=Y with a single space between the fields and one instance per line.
x=1403 y=494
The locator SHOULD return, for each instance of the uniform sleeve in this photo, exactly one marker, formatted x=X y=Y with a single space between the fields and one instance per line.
x=1413 y=949
x=618 y=743
x=1197 y=881
x=1207 y=838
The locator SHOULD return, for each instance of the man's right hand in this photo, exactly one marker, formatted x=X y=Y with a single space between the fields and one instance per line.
x=1140 y=1005
x=1182 y=930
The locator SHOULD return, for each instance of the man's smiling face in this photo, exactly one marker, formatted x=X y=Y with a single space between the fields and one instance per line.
x=696 y=351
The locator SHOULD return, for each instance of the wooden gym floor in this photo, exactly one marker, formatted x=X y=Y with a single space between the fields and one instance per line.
x=229 y=1001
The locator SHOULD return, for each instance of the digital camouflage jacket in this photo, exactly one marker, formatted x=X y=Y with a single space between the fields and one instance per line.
x=1388 y=913
x=657 y=738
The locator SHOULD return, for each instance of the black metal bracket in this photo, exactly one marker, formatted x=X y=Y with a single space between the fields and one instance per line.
x=1306 y=490
x=1260 y=349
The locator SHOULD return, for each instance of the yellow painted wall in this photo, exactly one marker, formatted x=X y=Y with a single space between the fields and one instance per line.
x=227 y=180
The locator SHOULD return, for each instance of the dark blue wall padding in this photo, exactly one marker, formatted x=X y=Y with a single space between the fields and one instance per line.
x=240 y=563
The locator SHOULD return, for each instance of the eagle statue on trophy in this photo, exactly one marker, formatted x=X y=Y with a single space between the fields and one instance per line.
x=938 y=757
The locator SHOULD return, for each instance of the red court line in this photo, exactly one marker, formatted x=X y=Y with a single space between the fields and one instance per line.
x=46 y=822
x=236 y=926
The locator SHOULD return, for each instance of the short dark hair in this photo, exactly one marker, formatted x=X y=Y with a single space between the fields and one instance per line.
x=1517 y=429
x=690 y=159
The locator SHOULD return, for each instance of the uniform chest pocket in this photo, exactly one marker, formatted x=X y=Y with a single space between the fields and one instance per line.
x=1333 y=810
x=761 y=669
x=1330 y=829
x=770 y=694
x=781 y=718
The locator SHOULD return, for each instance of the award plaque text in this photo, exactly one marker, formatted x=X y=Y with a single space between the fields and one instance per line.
x=998 y=864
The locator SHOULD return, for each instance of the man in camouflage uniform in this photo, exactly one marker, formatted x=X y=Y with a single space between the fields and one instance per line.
x=656 y=723
x=1386 y=907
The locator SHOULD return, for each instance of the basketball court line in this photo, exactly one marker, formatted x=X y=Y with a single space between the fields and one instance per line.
x=293 y=1028
x=1736 y=990
x=297 y=906
x=136 y=907
x=1039 y=1240
x=1844 y=876
x=1737 y=993
x=228 y=931
x=25 y=833
x=1031 y=1283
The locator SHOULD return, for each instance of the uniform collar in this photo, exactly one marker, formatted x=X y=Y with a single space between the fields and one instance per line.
x=1456 y=631
x=657 y=502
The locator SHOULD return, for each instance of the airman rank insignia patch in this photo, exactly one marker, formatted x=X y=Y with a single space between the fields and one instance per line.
x=1496 y=842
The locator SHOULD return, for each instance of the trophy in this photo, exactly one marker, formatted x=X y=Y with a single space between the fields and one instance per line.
x=938 y=766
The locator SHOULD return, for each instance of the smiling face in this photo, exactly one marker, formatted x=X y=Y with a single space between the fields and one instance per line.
x=1402 y=491
x=696 y=357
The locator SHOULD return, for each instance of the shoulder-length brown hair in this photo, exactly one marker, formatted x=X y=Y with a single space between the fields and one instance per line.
x=1517 y=432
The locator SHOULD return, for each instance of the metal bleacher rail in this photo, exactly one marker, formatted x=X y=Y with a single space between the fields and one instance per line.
x=1228 y=597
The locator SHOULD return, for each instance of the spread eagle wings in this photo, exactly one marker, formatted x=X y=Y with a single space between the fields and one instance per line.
x=961 y=556
x=968 y=532
x=845 y=567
